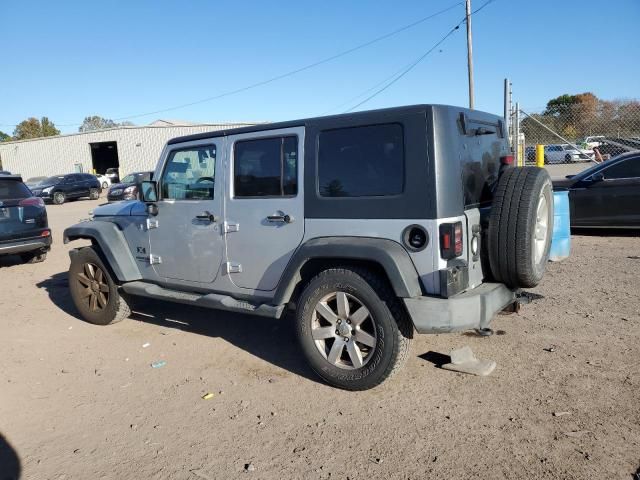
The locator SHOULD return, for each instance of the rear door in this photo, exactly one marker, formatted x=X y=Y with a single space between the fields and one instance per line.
x=265 y=209
x=613 y=201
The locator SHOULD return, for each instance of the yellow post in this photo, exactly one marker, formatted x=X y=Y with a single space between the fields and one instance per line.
x=540 y=156
x=520 y=155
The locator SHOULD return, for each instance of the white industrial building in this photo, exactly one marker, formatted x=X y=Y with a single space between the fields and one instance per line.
x=131 y=149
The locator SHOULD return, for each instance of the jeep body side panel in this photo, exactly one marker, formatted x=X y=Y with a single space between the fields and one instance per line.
x=112 y=243
x=466 y=146
x=389 y=254
x=416 y=201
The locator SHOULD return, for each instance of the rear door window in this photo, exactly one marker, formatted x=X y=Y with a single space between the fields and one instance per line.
x=361 y=161
x=266 y=167
x=12 y=189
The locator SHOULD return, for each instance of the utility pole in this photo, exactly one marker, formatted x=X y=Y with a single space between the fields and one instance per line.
x=470 y=55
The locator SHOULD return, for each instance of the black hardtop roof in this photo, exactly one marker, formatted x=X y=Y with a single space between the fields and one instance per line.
x=14 y=177
x=374 y=115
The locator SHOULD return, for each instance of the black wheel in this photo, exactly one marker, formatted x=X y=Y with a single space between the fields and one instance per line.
x=94 y=193
x=104 y=185
x=59 y=198
x=520 y=227
x=34 y=257
x=352 y=329
x=93 y=290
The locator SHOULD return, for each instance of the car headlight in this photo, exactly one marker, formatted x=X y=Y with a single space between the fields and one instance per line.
x=47 y=190
x=131 y=193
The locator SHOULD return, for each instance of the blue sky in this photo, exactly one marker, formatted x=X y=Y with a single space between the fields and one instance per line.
x=67 y=60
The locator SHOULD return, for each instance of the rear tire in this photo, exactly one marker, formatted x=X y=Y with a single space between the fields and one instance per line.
x=59 y=198
x=93 y=289
x=105 y=185
x=352 y=328
x=521 y=227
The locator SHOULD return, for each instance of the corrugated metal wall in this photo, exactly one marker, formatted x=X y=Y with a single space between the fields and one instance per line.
x=138 y=149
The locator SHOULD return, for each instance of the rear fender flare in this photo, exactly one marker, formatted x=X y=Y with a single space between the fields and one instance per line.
x=390 y=255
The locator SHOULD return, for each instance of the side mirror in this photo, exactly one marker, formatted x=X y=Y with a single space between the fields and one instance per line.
x=149 y=191
x=597 y=177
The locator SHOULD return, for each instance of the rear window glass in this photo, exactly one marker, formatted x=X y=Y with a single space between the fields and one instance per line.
x=361 y=161
x=10 y=189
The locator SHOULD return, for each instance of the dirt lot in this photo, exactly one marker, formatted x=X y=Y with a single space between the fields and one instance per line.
x=79 y=401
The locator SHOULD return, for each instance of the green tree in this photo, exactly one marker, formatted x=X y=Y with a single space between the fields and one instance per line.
x=96 y=122
x=4 y=137
x=34 y=128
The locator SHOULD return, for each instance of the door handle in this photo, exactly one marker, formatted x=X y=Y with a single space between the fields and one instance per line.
x=280 y=218
x=206 y=215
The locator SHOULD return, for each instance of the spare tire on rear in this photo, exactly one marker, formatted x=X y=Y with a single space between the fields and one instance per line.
x=520 y=227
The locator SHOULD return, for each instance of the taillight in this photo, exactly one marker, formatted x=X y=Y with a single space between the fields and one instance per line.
x=32 y=202
x=46 y=233
x=506 y=160
x=451 y=241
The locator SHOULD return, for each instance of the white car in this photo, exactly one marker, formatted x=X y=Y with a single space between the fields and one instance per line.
x=565 y=153
x=105 y=182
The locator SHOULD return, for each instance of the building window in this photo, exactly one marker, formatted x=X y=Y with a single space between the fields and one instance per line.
x=361 y=161
x=266 y=167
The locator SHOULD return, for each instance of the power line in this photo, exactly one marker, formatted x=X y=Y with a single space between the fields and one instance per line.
x=284 y=75
x=412 y=65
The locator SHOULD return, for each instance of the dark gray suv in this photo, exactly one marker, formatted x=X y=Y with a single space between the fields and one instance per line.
x=372 y=225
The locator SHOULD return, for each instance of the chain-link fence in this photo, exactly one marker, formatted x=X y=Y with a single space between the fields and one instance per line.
x=584 y=131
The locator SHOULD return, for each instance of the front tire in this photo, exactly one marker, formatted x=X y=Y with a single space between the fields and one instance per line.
x=105 y=185
x=59 y=198
x=94 y=291
x=353 y=330
x=94 y=194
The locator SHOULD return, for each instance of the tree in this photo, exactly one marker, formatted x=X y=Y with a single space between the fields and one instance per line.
x=96 y=122
x=34 y=128
x=4 y=137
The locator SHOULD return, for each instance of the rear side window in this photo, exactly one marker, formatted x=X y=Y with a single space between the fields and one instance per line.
x=361 y=161
x=12 y=189
x=626 y=169
x=266 y=167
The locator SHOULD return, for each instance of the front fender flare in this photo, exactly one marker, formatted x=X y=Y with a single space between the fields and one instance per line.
x=390 y=255
x=111 y=241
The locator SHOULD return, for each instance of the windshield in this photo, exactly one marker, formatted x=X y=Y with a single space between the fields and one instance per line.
x=129 y=179
x=12 y=189
x=35 y=180
x=52 y=180
x=597 y=166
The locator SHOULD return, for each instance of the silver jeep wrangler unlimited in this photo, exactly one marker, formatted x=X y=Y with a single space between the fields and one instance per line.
x=373 y=225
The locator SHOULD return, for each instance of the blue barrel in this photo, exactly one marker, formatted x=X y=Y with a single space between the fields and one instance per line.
x=561 y=239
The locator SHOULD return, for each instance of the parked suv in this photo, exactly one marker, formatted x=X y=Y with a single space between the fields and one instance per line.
x=129 y=187
x=372 y=225
x=24 y=229
x=60 y=188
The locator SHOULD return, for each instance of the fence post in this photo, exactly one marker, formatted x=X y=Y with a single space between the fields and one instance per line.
x=540 y=156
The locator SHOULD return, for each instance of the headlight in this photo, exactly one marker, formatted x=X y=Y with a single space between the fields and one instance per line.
x=47 y=190
x=131 y=193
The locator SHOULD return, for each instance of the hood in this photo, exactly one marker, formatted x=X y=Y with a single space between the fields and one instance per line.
x=120 y=209
x=120 y=185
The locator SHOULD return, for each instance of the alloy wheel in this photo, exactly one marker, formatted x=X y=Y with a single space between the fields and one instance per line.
x=541 y=229
x=94 y=287
x=343 y=330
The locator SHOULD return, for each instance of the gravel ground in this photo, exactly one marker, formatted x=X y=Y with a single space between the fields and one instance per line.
x=79 y=401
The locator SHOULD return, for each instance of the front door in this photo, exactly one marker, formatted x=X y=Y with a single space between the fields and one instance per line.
x=185 y=237
x=265 y=207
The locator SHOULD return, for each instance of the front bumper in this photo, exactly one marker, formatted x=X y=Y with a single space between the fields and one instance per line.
x=25 y=245
x=469 y=310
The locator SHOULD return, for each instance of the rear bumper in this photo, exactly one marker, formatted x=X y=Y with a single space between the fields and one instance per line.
x=472 y=309
x=25 y=245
